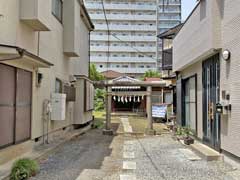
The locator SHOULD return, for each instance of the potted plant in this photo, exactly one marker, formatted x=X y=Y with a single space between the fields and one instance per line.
x=187 y=136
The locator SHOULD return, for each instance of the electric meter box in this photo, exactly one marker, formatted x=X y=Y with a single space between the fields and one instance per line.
x=58 y=102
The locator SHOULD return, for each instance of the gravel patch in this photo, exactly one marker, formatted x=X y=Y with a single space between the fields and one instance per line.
x=160 y=158
x=74 y=157
x=97 y=157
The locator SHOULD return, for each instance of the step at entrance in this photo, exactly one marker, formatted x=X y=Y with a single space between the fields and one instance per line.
x=206 y=152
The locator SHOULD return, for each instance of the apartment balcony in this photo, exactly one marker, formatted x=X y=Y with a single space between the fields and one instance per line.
x=170 y=2
x=129 y=70
x=170 y=19
x=200 y=36
x=93 y=6
x=145 y=59
x=120 y=17
x=124 y=38
x=126 y=27
x=164 y=26
x=36 y=14
x=169 y=11
x=121 y=49
x=167 y=59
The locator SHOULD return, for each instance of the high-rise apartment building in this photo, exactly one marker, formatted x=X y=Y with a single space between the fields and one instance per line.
x=134 y=26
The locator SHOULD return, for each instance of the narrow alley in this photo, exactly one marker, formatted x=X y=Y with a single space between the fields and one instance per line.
x=129 y=155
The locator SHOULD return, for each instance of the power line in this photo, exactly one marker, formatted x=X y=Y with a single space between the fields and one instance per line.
x=108 y=33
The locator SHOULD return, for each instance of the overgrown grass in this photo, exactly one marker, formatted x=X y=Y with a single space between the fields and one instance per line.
x=99 y=117
x=23 y=169
x=139 y=125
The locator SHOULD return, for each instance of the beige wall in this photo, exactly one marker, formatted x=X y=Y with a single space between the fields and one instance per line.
x=190 y=71
x=48 y=45
x=230 y=81
x=198 y=37
x=190 y=47
x=80 y=115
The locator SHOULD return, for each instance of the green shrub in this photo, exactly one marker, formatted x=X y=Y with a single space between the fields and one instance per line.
x=98 y=124
x=23 y=169
x=184 y=131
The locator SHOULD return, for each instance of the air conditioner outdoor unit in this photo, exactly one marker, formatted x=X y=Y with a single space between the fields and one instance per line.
x=58 y=102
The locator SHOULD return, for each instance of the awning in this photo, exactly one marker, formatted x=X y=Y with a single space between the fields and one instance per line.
x=17 y=54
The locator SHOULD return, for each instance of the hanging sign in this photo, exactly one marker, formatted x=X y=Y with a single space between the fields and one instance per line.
x=159 y=111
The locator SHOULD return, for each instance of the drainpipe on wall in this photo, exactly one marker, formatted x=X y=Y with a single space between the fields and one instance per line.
x=89 y=45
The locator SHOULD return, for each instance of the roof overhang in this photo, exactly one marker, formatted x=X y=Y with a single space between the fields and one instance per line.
x=129 y=84
x=17 y=54
x=85 y=15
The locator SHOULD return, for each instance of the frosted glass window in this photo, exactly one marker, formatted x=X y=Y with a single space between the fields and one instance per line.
x=190 y=102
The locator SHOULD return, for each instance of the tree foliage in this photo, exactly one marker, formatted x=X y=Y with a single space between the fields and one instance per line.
x=99 y=97
x=94 y=74
x=153 y=74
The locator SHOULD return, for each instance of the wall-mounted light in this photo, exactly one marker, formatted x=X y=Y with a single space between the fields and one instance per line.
x=226 y=54
x=39 y=77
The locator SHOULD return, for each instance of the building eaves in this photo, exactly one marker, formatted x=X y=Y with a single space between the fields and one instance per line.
x=23 y=52
x=86 y=15
x=171 y=32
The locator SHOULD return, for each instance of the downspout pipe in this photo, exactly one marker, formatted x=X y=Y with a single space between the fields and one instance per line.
x=89 y=51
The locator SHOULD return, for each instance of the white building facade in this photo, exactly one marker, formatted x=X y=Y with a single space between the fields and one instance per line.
x=133 y=28
x=206 y=58
x=44 y=63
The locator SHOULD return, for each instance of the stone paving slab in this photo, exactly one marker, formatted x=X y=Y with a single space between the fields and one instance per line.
x=127 y=148
x=128 y=142
x=127 y=177
x=129 y=165
x=190 y=155
x=128 y=155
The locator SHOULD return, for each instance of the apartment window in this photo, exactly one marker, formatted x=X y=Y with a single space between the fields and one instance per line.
x=100 y=65
x=125 y=66
x=189 y=102
x=58 y=86
x=57 y=8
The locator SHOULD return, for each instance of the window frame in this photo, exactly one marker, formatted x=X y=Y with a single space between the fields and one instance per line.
x=60 y=19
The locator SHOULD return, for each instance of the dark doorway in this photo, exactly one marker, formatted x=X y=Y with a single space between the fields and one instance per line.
x=211 y=95
x=15 y=105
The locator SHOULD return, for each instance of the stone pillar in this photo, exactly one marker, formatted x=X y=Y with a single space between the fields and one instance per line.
x=149 y=129
x=108 y=100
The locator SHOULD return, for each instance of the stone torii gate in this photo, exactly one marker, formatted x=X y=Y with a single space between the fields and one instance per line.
x=108 y=99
